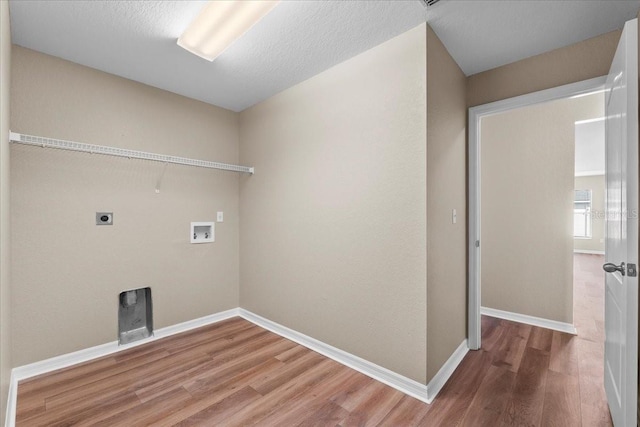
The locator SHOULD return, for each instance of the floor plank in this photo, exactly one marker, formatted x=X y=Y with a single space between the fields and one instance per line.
x=541 y=339
x=309 y=403
x=509 y=353
x=372 y=410
x=561 y=401
x=525 y=406
x=564 y=354
x=490 y=401
x=407 y=412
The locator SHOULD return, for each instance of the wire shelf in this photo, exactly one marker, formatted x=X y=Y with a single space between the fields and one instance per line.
x=121 y=152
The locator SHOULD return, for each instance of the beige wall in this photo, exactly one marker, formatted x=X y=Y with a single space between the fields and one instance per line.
x=527 y=179
x=333 y=223
x=596 y=184
x=446 y=190
x=67 y=272
x=580 y=61
x=5 y=257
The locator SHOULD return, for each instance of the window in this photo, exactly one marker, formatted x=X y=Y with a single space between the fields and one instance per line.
x=582 y=214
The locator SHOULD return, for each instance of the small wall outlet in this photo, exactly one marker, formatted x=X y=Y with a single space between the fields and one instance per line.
x=220 y=217
x=203 y=232
x=104 y=218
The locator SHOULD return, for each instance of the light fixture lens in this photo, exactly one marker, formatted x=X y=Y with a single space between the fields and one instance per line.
x=220 y=23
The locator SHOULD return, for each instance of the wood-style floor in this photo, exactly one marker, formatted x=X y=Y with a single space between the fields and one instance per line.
x=234 y=373
x=530 y=376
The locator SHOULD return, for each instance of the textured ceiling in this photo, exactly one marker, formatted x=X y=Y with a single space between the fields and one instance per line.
x=481 y=35
x=137 y=40
x=298 y=39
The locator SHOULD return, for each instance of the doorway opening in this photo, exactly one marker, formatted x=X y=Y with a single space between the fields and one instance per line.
x=539 y=207
x=536 y=224
x=528 y=237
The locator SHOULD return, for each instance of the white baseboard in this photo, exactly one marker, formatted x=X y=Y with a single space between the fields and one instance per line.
x=586 y=251
x=530 y=320
x=406 y=385
x=195 y=323
x=440 y=379
x=425 y=393
x=48 y=365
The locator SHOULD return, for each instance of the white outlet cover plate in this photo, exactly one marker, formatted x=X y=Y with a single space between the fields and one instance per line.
x=203 y=232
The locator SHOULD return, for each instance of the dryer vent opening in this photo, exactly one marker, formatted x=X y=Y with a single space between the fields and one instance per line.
x=135 y=315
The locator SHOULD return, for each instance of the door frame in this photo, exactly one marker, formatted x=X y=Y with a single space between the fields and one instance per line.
x=473 y=173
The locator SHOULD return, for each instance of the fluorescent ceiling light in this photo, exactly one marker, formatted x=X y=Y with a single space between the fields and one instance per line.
x=220 y=23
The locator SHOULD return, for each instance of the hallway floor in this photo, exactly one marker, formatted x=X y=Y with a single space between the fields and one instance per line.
x=525 y=375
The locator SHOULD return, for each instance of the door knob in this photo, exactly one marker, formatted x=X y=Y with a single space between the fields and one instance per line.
x=612 y=268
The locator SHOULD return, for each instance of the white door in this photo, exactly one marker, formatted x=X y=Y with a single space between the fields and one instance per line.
x=621 y=296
